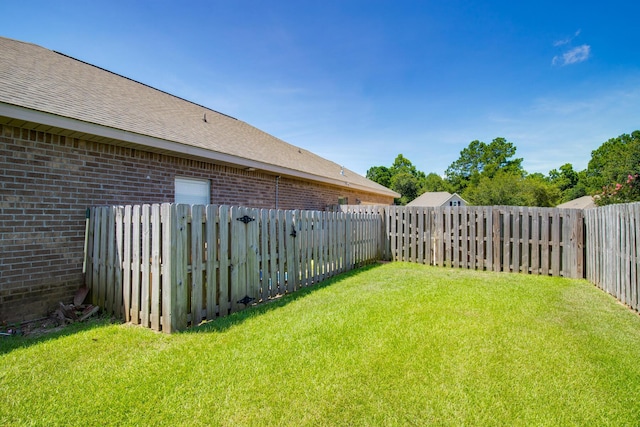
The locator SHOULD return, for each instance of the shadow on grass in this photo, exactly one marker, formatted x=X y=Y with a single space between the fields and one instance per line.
x=223 y=323
x=15 y=342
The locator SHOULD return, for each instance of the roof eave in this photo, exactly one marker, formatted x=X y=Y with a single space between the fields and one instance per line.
x=157 y=144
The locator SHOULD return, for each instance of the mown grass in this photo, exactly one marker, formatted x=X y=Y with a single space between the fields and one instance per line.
x=397 y=344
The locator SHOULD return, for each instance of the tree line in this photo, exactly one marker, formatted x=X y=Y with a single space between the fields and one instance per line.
x=490 y=174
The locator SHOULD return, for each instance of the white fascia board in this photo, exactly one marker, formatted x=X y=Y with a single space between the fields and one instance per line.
x=53 y=120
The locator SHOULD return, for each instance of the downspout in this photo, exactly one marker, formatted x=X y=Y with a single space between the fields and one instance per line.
x=277 y=185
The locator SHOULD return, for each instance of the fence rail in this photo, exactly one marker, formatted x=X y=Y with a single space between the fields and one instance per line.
x=547 y=241
x=167 y=266
x=613 y=251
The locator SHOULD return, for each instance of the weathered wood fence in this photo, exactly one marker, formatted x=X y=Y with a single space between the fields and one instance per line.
x=169 y=266
x=613 y=251
x=546 y=241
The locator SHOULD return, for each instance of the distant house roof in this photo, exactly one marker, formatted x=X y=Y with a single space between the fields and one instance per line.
x=50 y=91
x=436 y=198
x=584 y=202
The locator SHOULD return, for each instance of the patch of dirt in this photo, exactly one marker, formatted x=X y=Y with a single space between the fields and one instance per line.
x=34 y=327
x=66 y=314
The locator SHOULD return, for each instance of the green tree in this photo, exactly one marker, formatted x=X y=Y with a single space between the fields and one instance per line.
x=579 y=190
x=402 y=177
x=380 y=174
x=565 y=178
x=434 y=182
x=538 y=191
x=405 y=184
x=613 y=162
x=481 y=160
x=568 y=182
x=504 y=188
x=513 y=189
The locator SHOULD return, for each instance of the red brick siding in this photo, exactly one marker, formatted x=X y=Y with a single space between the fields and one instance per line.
x=47 y=181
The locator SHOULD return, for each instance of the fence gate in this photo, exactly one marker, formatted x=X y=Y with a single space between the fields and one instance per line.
x=245 y=259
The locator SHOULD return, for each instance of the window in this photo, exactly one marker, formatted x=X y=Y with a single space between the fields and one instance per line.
x=192 y=191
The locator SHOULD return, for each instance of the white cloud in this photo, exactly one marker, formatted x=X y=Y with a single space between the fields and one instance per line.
x=568 y=40
x=573 y=56
x=562 y=42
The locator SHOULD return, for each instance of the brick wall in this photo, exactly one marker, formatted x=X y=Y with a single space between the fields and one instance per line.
x=47 y=181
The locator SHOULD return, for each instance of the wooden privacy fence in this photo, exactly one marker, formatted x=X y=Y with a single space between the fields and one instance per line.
x=613 y=251
x=547 y=241
x=169 y=266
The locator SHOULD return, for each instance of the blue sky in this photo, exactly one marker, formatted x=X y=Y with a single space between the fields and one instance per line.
x=359 y=82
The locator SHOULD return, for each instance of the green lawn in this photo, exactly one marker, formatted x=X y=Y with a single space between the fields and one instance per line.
x=394 y=344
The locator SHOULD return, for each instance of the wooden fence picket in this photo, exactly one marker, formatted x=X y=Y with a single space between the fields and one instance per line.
x=506 y=240
x=110 y=291
x=253 y=256
x=155 y=267
x=224 y=261
x=635 y=257
x=470 y=237
x=126 y=264
x=145 y=233
x=212 y=264
x=135 y=264
x=525 y=247
x=288 y=250
x=169 y=256
x=278 y=251
x=119 y=231
x=517 y=238
x=197 y=263
x=182 y=276
x=238 y=257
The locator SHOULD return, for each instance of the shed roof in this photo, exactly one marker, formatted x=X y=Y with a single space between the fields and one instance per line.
x=55 y=91
x=434 y=198
x=584 y=202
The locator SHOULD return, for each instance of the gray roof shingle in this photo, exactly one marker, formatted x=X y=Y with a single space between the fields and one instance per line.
x=40 y=79
x=584 y=202
x=434 y=198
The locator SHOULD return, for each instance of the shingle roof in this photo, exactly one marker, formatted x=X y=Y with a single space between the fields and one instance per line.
x=42 y=80
x=584 y=202
x=435 y=198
